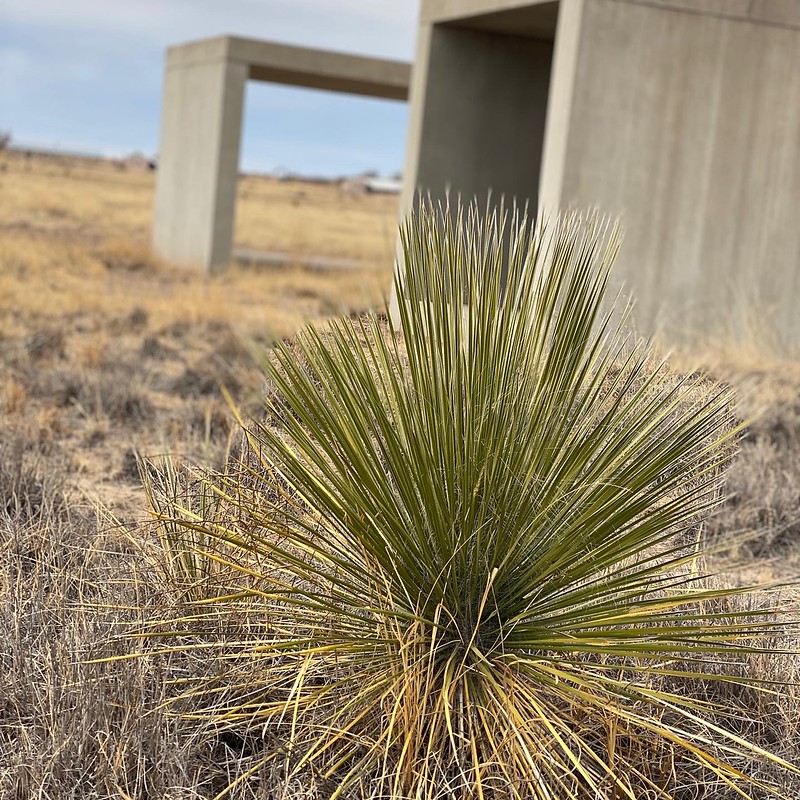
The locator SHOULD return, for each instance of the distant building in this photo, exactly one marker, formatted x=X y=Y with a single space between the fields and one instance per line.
x=383 y=185
x=137 y=162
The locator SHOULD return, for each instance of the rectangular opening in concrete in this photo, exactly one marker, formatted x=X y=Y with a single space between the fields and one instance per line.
x=280 y=133
x=485 y=108
x=280 y=143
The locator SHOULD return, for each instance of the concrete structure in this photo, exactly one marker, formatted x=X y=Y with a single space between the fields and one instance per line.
x=201 y=127
x=680 y=116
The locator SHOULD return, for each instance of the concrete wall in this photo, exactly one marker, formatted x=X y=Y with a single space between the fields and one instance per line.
x=685 y=120
x=478 y=103
x=487 y=132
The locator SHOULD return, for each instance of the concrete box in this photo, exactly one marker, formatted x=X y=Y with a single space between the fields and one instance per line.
x=682 y=117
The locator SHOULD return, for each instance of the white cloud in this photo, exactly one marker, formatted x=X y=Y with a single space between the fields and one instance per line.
x=86 y=74
x=382 y=27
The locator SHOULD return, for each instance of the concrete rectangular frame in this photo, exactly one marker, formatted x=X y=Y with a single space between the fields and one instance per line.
x=682 y=117
x=201 y=124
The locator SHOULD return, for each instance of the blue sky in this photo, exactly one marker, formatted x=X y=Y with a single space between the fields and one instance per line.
x=86 y=75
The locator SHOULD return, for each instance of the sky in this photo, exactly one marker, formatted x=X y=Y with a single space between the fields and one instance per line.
x=85 y=75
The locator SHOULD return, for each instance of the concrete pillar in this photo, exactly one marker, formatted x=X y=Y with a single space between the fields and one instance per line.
x=559 y=104
x=199 y=155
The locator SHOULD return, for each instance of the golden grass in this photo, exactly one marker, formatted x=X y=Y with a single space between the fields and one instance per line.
x=75 y=237
x=274 y=215
x=87 y=308
x=96 y=200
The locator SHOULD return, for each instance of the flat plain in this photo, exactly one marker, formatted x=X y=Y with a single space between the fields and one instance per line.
x=106 y=350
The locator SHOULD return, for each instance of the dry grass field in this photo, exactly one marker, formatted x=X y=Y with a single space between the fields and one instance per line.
x=105 y=353
x=105 y=350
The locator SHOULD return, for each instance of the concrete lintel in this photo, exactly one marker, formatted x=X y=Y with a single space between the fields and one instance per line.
x=447 y=10
x=531 y=18
x=301 y=66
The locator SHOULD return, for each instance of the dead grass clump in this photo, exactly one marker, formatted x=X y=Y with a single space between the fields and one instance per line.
x=69 y=728
x=115 y=393
x=123 y=254
x=74 y=720
x=763 y=483
x=764 y=496
x=31 y=487
x=770 y=719
x=194 y=382
x=13 y=397
x=45 y=343
x=156 y=347
x=134 y=321
x=125 y=402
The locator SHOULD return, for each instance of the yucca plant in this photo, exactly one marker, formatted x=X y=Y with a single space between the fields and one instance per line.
x=468 y=545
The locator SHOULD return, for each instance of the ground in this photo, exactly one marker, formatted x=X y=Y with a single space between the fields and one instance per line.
x=106 y=354
x=107 y=351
